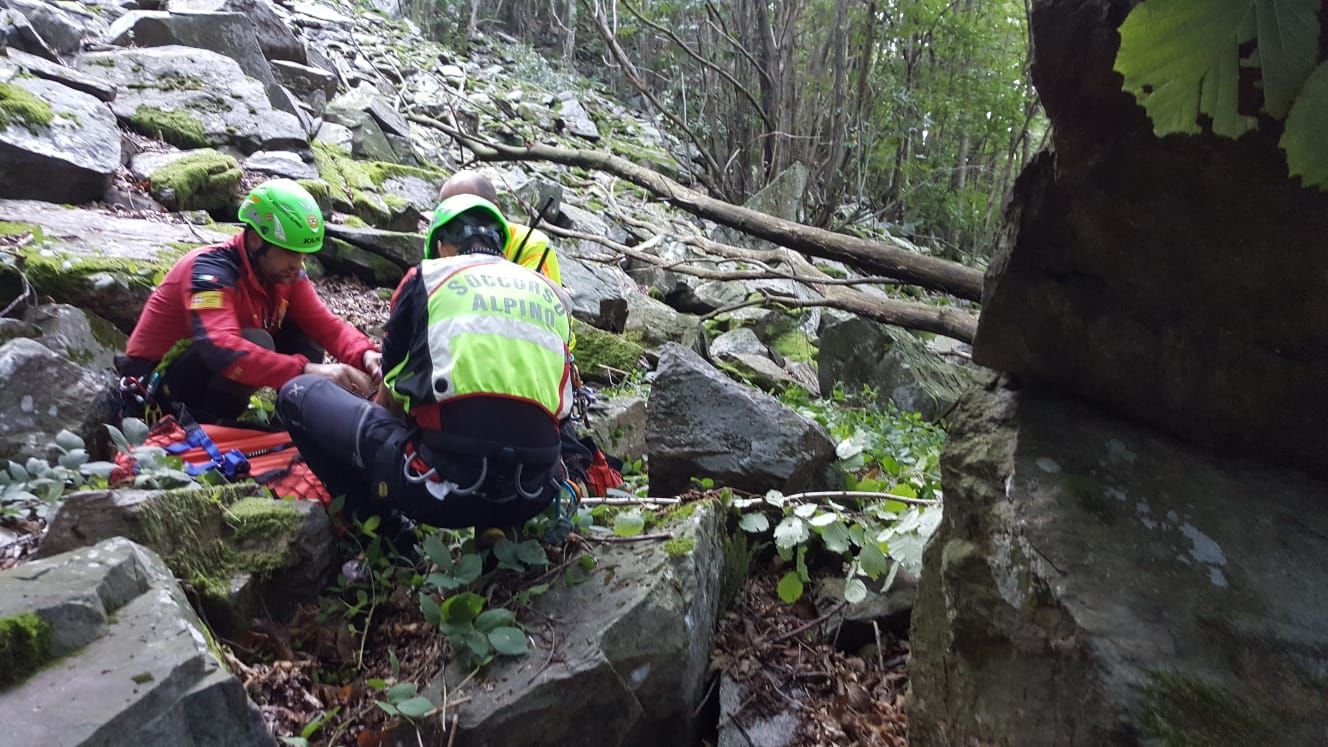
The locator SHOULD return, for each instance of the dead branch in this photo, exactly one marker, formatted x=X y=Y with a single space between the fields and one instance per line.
x=894 y=260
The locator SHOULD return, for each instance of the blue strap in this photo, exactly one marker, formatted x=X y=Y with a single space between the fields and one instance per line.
x=230 y=465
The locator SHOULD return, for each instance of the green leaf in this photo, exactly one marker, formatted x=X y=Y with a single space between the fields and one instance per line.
x=1304 y=139
x=376 y=683
x=36 y=466
x=855 y=591
x=463 y=607
x=118 y=438
x=388 y=708
x=394 y=662
x=295 y=741
x=74 y=458
x=791 y=531
x=312 y=727
x=775 y=498
x=823 y=520
x=135 y=430
x=505 y=551
x=508 y=640
x=468 y=568
x=433 y=614
x=370 y=525
x=904 y=490
x=442 y=581
x=1288 y=49
x=494 y=618
x=532 y=554
x=806 y=510
x=754 y=523
x=790 y=587
x=873 y=560
x=415 y=707
x=629 y=523
x=438 y=552
x=68 y=440
x=401 y=691
x=836 y=537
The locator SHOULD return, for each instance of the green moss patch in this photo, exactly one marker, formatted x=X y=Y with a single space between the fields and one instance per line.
x=596 y=348
x=206 y=180
x=207 y=536
x=355 y=183
x=19 y=106
x=1184 y=712
x=175 y=127
x=679 y=546
x=795 y=345
x=25 y=644
x=22 y=229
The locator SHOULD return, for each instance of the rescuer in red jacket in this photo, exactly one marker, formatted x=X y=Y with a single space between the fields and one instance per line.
x=230 y=318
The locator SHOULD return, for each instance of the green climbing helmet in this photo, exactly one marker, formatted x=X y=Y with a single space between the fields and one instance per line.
x=476 y=217
x=285 y=215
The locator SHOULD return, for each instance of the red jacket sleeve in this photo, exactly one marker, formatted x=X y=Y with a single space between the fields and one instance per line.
x=342 y=340
x=216 y=329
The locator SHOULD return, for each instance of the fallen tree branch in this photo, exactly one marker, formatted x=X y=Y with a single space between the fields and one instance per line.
x=861 y=494
x=894 y=260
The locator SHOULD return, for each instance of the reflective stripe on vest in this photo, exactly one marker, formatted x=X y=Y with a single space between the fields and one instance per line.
x=497 y=329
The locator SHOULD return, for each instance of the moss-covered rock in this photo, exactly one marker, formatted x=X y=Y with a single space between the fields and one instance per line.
x=25 y=644
x=597 y=349
x=21 y=107
x=176 y=127
x=202 y=180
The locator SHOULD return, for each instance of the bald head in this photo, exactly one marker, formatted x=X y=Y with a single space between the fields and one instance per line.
x=468 y=183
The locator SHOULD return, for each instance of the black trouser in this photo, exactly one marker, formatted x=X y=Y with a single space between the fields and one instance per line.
x=206 y=393
x=358 y=449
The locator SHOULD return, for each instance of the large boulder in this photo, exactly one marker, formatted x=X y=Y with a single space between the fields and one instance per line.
x=62 y=27
x=92 y=259
x=702 y=424
x=240 y=552
x=202 y=179
x=56 y=144
x=274 y=36
x=1130 y=587
x=599 y=292
x=194 y=98
x=1174 y=280
x=32 y=409
x=618 y=425
x=575 y=119
x=313 y=85
x=227 y=34
x=654 y=323
x=81 y=336
x=858 y=352
x=634 y=640
x=114 y=655
x=17 y=32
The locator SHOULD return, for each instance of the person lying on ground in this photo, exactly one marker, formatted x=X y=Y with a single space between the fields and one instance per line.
x=464 y=430
x=526 y=246
x=230 y=318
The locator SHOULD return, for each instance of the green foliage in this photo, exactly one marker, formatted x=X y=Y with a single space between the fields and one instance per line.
x=882 y=450
x=1182 y=59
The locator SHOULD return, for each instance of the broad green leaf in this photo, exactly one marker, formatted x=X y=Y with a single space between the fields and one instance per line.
x=791 y=532
x=806 y=510
x=438 y=552
x=463 y=607
x=74 y=458
x=401 y=691
x=442 y=581
x=68 y=440
x=629 y=523
x=376 y=683
x=873 y=560
x=775 y=498
x=904 y=490
x=754 y=523
x=508 y=640
x=371 y=524
x=118 y=438
x=854 y=590
x=387 y=708
x=836 y=537
x=505 y=551
x=36 y=466
x=135 y=430
x=433 y=614
x=531 y=552
x=790 y=587
x=415 y=707
x=1306 y=137
x=1288 y=50
x=823 y=520
x=468 y=568
x=494 y=618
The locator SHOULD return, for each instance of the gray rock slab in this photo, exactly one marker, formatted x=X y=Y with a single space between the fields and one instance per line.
x=209 y=89
x=633 y=643
x=1137 y=589
x=69 y=160
x=67 y=76
x=16 y=32
x=275 y=37
x=343 y=258
x=228 y=34
x=599 y=291
x=739 y=729
x=281 y=163
x=655 y=323
x=305 y=80
x=367 y=138
x=577 y=120
x=32 y=411
x=106 y=263
x=84 y=338
x=366 y=98
x=702 y=424
x=860 y=352
x=403 y=249
x=334 y=134
x=136 y=666
x=61 y=29
x=618 y=425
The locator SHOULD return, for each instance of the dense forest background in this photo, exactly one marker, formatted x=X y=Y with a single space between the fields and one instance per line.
x=911 y=114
